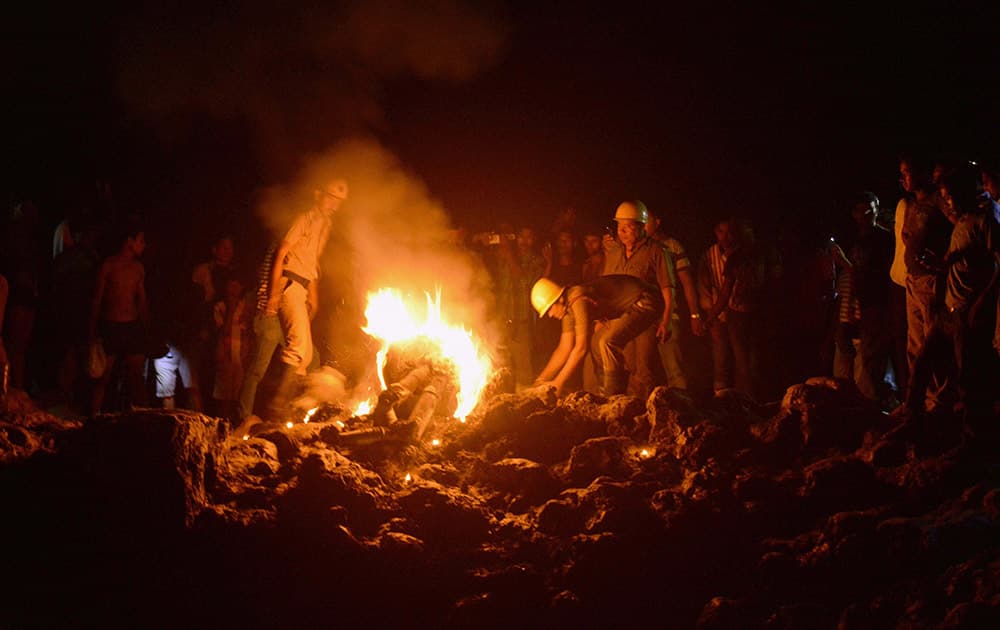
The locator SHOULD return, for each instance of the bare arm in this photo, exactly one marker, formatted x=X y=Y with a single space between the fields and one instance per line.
x=663 y=329
x=691 y=295
x=95 y=305
x=140 y=296
x=576 y=354
x=558 y=358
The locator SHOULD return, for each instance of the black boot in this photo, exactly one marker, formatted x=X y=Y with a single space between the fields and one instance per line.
x=288 y=382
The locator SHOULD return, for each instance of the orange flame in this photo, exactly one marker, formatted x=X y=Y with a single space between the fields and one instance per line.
x=363 y=409
x=392 y=319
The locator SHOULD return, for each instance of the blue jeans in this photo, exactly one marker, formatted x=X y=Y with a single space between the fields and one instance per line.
x=268 y=336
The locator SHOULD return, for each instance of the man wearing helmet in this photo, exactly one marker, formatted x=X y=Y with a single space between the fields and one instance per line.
x=622 y=307
x=293 y=286
x=635 y=254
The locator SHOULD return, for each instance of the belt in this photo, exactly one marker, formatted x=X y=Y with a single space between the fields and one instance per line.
x=291 y=275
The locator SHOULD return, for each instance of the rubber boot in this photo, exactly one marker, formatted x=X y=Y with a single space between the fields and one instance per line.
x=288 y=381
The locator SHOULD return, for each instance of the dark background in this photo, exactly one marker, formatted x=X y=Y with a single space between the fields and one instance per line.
x=774 y=113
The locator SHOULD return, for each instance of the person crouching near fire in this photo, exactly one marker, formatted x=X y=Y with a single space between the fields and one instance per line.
x=617 y=308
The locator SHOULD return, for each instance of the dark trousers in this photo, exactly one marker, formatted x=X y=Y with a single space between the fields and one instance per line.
x=732 y=352
x=967 y=351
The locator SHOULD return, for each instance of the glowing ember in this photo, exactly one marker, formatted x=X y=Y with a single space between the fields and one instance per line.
x=435 y=442
x=644 y=453
x=246 y=437
x=310 y=414
x=408 y=478
x=288 y=424
x=393 y=319
x=340 y=425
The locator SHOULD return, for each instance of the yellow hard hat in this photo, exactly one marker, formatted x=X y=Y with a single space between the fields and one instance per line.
x=633 y=210
x=544 y=294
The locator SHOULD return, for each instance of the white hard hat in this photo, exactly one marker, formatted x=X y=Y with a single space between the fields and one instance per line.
x=544 y=294
x=633 y=210
x=337 y=188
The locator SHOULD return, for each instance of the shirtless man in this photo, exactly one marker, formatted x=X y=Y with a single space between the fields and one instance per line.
x=118 y=315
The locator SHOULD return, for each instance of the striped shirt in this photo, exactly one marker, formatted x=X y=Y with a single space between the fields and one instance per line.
x=264 y=278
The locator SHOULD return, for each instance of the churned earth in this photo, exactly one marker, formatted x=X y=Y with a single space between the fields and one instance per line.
x=536 y=511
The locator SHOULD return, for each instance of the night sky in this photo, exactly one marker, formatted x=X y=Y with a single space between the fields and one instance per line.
x=507 y=111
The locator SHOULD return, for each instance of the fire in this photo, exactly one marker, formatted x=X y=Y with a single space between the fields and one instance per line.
x=363 y=409
x=393 y=319
x=310 y=414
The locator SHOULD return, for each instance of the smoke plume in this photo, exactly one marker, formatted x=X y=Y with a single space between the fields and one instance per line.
x=298 y=77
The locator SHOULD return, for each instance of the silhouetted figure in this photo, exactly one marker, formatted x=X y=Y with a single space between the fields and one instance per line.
x=728 y=279
x=670 y=350
x=119 y=314
x=962 y=334
x=925 y=233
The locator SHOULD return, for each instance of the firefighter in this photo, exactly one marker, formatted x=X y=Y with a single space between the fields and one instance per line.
x=617 y=308
x=633 y=253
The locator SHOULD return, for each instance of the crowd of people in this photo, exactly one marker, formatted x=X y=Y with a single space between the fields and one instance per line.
x=902 y=303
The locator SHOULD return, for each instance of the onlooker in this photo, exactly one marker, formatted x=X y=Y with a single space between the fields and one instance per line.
x=563 y=267
x=267 y=338
x=670 y=350
x=232 y=348
x=727 y=280
x=593 y=264
x=212 y=275
x=19 y=262
x=561 y=262
x=519 y=266
x=73 y=274
x=119 y=312
x=602 y=316
x=964 y=330
x=871 y=256
x=925 y=235
x=635 y=254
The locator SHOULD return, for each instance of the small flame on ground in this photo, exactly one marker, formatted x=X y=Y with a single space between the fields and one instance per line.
x=246 y=437
x=408 y=478
x=340 y=425
x=435 y=442
x=645 y=453
x=363 y=409
x=309 y=414
x=289 y=424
